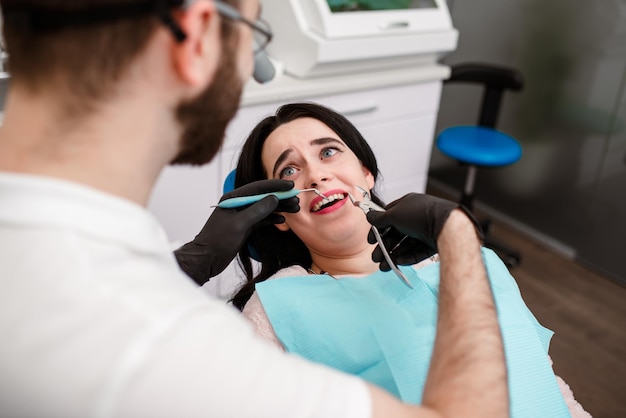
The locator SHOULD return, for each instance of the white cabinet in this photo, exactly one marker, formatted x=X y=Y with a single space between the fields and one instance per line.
x=396 y=121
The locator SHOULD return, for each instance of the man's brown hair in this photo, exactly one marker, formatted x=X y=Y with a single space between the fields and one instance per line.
x=85 y=44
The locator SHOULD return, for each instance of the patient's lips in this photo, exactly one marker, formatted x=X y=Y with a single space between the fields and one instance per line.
x=332 y=200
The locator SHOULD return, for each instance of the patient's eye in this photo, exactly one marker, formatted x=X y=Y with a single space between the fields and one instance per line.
x=329 y=152
x=287 y=171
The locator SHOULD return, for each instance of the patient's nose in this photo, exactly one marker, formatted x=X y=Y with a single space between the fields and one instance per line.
x=318 y=182
x=318 y=173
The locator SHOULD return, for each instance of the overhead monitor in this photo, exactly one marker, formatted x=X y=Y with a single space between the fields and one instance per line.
x=341 y=18
x=337 y=6
x=346 y=18
x=320 y=37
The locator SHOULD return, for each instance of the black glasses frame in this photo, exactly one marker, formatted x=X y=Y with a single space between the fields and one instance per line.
x=260 y=28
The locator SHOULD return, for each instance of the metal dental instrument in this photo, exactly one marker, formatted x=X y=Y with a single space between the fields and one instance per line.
x=236 y=202
x=367 y=205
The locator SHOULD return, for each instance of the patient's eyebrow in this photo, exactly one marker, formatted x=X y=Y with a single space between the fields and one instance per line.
x=326 y=140
x=317 y=141
x=281 y=158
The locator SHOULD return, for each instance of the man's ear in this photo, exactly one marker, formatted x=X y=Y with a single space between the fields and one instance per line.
x=197 y=57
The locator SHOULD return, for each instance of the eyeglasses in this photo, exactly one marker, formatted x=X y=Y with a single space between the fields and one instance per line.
x=261 y=32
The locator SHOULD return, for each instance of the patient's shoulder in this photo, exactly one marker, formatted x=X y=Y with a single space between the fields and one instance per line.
x=290 y=271
x=255 y=313
x=426 y=262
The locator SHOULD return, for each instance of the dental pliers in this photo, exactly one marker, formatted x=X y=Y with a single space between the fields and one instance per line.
x=366 y=204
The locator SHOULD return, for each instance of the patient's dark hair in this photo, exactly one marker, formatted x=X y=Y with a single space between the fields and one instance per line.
x=277 y=249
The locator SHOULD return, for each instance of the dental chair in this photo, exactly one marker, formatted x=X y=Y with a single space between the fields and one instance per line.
x=229 y=182
x=482 y=146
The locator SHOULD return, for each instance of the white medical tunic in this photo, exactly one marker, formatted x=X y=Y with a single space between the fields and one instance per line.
x=97 y=320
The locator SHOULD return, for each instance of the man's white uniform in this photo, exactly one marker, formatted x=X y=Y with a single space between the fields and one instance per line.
x=123 y=322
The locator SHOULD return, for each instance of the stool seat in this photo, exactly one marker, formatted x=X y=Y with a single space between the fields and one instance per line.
x=479 y=145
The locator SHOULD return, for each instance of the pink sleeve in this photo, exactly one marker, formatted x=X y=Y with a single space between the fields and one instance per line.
x=254 y=312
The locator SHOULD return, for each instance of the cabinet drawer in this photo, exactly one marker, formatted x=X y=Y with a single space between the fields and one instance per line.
x=391 y=103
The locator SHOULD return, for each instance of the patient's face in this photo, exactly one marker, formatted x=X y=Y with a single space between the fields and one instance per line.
x=311 y=154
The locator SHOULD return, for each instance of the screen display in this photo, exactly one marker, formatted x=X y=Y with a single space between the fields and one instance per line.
x=368 y=5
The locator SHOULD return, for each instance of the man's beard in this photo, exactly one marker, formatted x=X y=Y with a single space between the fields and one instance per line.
x=205 y=118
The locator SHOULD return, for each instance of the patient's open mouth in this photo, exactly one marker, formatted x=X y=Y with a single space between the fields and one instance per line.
x=328 y=201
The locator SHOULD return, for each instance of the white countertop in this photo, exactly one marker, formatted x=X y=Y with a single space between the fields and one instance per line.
x=287 y=88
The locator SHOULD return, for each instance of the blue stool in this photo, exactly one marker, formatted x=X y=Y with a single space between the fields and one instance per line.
x=482 y=145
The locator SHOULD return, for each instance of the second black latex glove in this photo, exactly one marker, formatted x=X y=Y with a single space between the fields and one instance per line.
x=403 y=250
x=420 y=218
x=226 y=230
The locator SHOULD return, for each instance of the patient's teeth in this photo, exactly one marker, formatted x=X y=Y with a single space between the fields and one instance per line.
x=327 y=200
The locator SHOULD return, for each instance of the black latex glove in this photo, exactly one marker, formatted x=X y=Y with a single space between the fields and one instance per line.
x=420 y=218
x=226 y=230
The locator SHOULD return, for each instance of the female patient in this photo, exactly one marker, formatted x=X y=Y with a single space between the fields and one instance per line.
x=327 y=300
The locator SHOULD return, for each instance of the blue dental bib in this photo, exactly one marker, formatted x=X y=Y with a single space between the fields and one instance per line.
x=377 y=328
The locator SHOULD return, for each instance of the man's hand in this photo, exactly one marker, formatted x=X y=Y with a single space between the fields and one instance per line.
x=226 y=230
x=412 y=225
